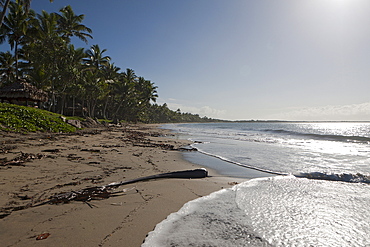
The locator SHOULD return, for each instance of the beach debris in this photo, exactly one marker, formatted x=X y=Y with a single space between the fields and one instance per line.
x=90 y=150
x=196 y=173
x=25 y=197
x=232 y=183
x=19 y=160
x=55 y=150
x=73 y=157
x=104 y=192
x=43 y=236
x=5 y=149
x=99 y=192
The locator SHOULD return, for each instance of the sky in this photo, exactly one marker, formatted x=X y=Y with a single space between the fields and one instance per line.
x=240 y=59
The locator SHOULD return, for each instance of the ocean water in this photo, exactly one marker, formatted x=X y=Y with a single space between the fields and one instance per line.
x=307 y=184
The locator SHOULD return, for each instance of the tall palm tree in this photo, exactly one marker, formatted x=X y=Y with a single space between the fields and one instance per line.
x=111 y=74
x=45 y=50
x=5 y=4
x=95 y=58
x=7 y=67
x=46 y=29
x=70 y=25
x=147 y=91
x=72 y=73
x=15 y=27
x=124 y=91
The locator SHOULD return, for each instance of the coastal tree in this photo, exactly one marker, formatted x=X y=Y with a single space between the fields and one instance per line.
x=4 y=4
x=72 y=76
x=95 y=59
x=15 y=28
x=70 y=25
x=111 y=73
x=7 y=67
x=124 y=91
x=71 y=69
x=146 y=92
x=51 y=55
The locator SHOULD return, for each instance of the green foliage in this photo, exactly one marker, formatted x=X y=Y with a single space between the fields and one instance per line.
x=78 y=82
x=27 y=119
x=162 y=114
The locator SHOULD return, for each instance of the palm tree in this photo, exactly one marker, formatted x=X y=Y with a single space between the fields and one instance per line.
x=93 y=87
x=95 y=58
x=111 y=74
x=5 y=4
x=7 y=67
x=124 y=91
x=15 y=27
x=46 y=29
x=70 y=25
x=147 y=91
x=69 y=71
x=45 y=51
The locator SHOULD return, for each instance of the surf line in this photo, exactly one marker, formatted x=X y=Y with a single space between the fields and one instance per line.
x=241 y=165
x=351 y=178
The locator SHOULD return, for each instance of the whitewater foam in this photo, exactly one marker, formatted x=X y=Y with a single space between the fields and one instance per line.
x=277 y=211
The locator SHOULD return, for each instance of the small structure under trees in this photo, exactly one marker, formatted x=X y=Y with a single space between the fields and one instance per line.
x=21 y=92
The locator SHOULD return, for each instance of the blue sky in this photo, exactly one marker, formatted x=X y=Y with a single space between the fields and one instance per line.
x=240 y=59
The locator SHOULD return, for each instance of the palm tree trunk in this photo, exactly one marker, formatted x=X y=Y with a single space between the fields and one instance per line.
x=16 y=60
x=118 y=108
x=73 y=107
x=63 y=103
x=105 y=108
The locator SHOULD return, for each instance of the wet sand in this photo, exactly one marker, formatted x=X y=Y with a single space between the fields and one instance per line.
x=36 y=166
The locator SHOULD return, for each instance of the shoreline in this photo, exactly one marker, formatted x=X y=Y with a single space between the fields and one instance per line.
x=95 y=157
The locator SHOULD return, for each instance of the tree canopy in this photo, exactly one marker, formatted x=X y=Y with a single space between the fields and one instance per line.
x=79 y=82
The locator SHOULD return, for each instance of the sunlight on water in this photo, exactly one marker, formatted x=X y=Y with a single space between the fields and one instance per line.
x=300 y=212
x=325 y=203
x=333 y=128
x=333 y=147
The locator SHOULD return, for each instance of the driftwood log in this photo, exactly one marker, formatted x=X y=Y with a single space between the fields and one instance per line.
x=103 y=192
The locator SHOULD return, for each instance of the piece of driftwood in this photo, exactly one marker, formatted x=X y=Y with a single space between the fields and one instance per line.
x=197 y=173
x=103 y=192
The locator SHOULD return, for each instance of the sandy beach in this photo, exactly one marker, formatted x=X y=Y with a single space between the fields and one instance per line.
x=36 y=166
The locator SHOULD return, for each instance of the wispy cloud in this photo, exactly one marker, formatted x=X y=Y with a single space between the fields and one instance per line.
x=329 y=112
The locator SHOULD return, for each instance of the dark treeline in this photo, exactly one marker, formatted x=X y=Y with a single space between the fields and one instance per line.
x=79 y=82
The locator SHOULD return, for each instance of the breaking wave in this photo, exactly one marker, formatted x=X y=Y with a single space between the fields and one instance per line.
x=340 y=138
x=343 y=177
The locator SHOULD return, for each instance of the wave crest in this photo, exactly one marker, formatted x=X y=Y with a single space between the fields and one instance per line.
x=344 y=177
x=341 y=138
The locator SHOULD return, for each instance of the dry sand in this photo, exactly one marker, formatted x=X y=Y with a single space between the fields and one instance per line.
x=56 y=163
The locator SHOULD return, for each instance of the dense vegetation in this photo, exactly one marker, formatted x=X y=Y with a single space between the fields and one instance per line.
x=25 y=119
x=79 y=82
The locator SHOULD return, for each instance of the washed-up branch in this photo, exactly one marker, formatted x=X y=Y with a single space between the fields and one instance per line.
x=104 y=192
